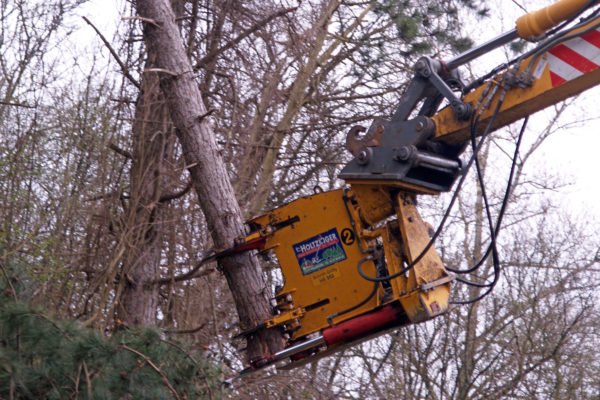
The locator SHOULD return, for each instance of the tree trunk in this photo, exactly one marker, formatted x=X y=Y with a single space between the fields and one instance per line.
x=207 y=169
x=141 y=261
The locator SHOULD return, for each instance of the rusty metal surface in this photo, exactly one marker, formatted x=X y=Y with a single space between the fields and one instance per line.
x=354 y=142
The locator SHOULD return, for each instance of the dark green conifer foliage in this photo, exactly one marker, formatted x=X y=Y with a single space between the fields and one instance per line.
x=44 y=358
x=415 y=22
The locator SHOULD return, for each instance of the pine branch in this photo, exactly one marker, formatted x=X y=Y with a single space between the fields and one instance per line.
x=149 y=361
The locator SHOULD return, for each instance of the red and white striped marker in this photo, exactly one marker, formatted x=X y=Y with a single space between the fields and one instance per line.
x=574 y=58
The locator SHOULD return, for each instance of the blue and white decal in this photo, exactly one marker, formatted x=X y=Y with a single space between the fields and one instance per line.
x=319 y=251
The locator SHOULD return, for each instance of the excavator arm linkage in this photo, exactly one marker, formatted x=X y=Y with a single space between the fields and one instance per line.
x=357 y=262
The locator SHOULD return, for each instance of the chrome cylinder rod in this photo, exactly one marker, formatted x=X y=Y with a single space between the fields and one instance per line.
x=290 y=351
x=475 y=52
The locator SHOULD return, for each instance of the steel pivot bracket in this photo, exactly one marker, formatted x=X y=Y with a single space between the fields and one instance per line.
x=430 y=69
x=399 y=152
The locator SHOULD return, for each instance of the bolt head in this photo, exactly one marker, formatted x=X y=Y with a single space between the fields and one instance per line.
x=403 y=153
x=364 y=155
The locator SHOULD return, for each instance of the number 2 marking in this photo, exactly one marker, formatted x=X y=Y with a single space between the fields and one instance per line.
x=348 y=236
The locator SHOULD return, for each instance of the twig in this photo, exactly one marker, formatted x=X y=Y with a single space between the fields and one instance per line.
x=12 y=288
x=192 y=27
x=87 y=380
x=188 y=275
x=176 y=195
x=150 y=363
x=8 y=103
x=259 y=146
x=120 y=151
x=108 y=196
x=165 y=71
x=143 y=19
x=185 y=331
x=114 y=54
x=123 y=100
x=76 y=381
x=211 y=56
x=206 y=114
x=520 y=6
x=192 y=165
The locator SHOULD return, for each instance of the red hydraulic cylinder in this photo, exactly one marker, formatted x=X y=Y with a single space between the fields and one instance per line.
x=364 y=325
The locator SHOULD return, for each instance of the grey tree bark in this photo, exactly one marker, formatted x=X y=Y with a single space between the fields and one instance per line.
x=144 y=217
x=153 y=150
x=207 y=169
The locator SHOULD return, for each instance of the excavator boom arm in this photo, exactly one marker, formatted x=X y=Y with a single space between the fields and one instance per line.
x=564 y=67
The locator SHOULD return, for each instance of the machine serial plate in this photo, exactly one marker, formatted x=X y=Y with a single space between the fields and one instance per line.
x=319 y=251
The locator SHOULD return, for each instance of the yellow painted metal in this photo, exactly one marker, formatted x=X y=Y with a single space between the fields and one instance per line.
x=396 y=259
x=537 y=22
x=255 y=235
x=418 y=303
x=421 y=306
x=374 y=201
x=308 y=298
x=518 y=102
x=285 y=317
x=355 y=225
x=335 y=287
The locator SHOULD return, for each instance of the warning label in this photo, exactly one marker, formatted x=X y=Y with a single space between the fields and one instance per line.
x=319 y=251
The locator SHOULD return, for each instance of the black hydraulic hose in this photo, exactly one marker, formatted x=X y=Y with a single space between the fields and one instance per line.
x=494 y=232
x=362 y=303
x=502 y=208
x=538 y=50
x=448 y=209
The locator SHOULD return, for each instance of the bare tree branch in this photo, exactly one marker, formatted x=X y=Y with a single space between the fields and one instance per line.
x=114 y=54
x=191 y=274
x=172 y=196
x=8 y=103
x=120 y=151
x=148 y=20
x=211 y=56
x=186 y=331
